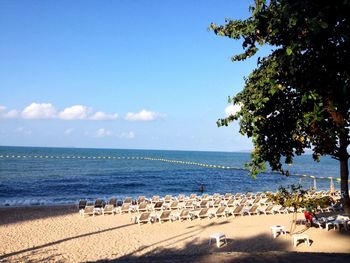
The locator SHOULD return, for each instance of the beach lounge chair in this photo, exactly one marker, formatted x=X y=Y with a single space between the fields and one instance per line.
x=252 y=211
x=142 y=207
x=81 y=205
x=174 y=205
x=337 y=207
x=108 y=209
x=205 y=197
x=127 y=200
x=227 y=196
x=203 y=213
x=125 y=208
x=249 y=195
x=216 y=196
x=257 y=200
x=158 y=206
x=284 y=210
x=181 y=198
x=193 y=197
x=165 y=216
x=98 y=203
x=113 y=201
x=88 y=210
x=230 y=202
x=237 y=211
x=264 y=201
x=141 y=199
x=168 y=198
x=266 y=210
x=184 y=215
x=238 y=196
x=221 y=211
x=243 y=201
x=189 y=204
x=321 y=223
x=204 y=204
x=144 y=218
x=280 y=209
x=155 y=199
x=216 y=203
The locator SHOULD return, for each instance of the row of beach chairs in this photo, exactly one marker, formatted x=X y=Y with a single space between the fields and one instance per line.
x=230 y=204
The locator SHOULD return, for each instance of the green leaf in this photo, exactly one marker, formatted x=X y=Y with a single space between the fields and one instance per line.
x=289 y=51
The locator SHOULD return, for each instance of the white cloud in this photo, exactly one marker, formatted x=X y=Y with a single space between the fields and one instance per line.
x=39 y=111
x=232 y=109
x=101 y=116
x=48 y=111
x=100 y=133
x=143 y=115
x=76 y=112
x=127 y=135
x=11 y=114
x=4 y=114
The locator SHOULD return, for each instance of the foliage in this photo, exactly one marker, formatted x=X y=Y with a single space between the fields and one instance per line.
x=296 y=197
x=292 y=196
x=302 y=87
x=299 y=95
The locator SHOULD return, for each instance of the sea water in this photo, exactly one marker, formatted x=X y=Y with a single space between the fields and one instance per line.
x=43 y=176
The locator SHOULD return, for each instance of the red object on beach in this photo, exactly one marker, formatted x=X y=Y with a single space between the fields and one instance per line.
x=308 y=217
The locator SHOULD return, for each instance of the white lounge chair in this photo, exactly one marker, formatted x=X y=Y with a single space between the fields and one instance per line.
x=165 y=216
x=127 y=200
x=168 y=198
x=252 y=210
x=184 y=215
x=142 y=207
x=203 y=213
x=237 y=211
x=266 y=210
x=108 y=209
x=174 y=205
x=144 y=218
x=81 y=206
x=89 y=210
x=220 y=212
x=125 y=208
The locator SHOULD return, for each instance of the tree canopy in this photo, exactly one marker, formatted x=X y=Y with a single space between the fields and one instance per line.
x=298 y=97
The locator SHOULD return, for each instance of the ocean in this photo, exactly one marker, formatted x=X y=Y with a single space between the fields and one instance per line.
x=46 y=176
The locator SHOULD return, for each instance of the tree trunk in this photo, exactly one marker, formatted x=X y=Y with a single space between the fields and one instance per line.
x=294 y=222
x=344 y=172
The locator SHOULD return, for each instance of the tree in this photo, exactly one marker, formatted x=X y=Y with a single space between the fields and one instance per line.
x=298 y=97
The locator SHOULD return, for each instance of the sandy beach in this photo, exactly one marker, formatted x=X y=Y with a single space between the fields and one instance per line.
x=60 y=234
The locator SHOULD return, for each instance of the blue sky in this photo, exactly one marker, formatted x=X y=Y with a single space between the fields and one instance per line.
x=119 y=74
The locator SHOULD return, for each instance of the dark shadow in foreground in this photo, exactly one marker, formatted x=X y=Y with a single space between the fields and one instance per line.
x=260 y=248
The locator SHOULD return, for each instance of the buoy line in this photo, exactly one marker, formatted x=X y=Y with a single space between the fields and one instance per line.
x=213 y=166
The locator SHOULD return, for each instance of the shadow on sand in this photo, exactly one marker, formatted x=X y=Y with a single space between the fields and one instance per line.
x=12 y=215
x=236 y=250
